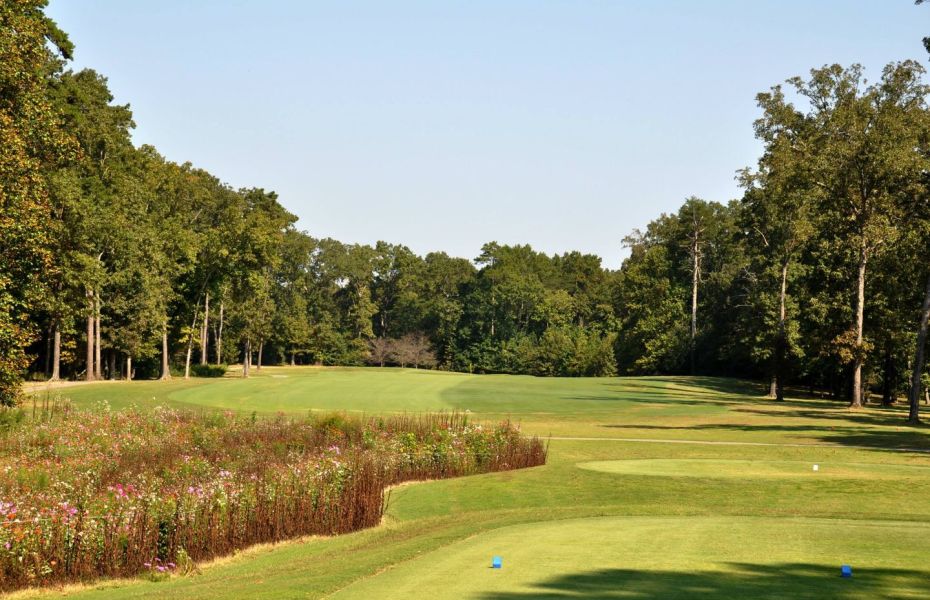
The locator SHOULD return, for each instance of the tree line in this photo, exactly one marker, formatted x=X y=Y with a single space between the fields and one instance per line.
x=118 y=263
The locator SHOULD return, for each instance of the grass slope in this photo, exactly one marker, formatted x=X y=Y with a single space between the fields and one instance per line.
x=607 y=517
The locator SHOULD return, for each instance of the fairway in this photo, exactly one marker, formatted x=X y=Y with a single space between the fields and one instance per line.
x=655 y=488
x=281 y=389
x=674 y=408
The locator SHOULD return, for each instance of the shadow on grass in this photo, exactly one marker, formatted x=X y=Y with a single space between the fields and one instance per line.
x=720 y=385
x=647 y=393
x=688 y=387
x=663 y=399
x=894 y=417
x=814 y=421
x=689 y=390
x=915 y=439
x=744 y=581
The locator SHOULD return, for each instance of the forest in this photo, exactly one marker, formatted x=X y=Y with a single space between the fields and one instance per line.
x=116 y=262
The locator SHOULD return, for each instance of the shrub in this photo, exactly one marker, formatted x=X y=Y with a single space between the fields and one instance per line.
x=209 y=370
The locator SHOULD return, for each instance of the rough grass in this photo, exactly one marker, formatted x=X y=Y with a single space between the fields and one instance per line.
x=729 y=529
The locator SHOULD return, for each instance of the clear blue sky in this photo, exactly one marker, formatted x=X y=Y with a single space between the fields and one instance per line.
x=446 y=124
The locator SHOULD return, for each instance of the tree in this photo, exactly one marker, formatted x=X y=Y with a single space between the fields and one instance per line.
x=697 y=218
x=414 y=349
x=442 y=284
x=778 y=210
x=393 y=289
x=916 y=379
x=263 y=225
x=293 y=282
x=89 y=196
x=380 y=351
x=660 y=288
x=31 y=52
x=651 y=304
x=861 y=143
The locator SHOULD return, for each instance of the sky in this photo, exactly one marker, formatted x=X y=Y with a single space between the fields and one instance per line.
x=445 y=124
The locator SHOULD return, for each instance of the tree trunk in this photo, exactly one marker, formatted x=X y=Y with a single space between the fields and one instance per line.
x=128 y=368
x=261 y=345
x=913 y=395
x=112 y=374
x=98 y=364
x=48 y=350
x=56 y=354
x=219 y=338
x=89 y=374
x=187 y=358
x=246 y=358
x=205 y=335
x=293 y=358
x=781 y=343
x=165 y=367
x=695 y=276
x=860 y=313
x=190 y=345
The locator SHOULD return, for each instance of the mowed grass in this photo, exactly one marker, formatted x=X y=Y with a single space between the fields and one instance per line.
x=710 y=409
x=630 y=557
x=796 y=469
x=681 y=488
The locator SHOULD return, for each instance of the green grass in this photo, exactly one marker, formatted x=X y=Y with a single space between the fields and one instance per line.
x=632 y=558
x=405 y=390
x=755 y=469
x=611 y=516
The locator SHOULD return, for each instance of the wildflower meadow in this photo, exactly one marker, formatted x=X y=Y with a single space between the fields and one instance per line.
x=89 y=494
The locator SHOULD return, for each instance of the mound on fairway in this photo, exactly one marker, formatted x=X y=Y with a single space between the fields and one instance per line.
x=661 y=557
x=755 y=469
x=297 y=389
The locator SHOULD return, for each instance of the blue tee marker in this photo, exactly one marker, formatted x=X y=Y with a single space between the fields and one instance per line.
x=846 y=571
x=496 y=562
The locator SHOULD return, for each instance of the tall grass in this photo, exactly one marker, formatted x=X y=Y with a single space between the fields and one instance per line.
x=106 y=494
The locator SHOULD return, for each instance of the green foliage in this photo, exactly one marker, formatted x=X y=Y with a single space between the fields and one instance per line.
x=570 y=351
x=31 y=48
x=209 y=370
x=174 y=267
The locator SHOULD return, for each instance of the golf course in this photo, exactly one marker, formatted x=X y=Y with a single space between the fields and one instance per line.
x=655 y=487
x=464 y=301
